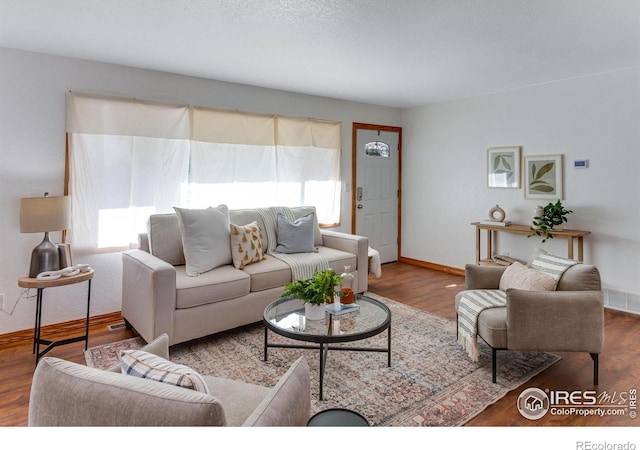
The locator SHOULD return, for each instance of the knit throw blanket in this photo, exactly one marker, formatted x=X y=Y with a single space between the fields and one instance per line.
x=303 y=265
x=471 y=304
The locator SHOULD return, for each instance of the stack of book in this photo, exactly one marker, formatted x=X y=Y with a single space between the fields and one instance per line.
x=344 y=309
x=504 y=223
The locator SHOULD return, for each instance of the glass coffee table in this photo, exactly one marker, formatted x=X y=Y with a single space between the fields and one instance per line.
x=285 y=317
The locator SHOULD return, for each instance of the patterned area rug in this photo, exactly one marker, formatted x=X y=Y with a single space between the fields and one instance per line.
x=431 y=381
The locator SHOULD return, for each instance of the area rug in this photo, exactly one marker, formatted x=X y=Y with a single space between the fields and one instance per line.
x=431 y=381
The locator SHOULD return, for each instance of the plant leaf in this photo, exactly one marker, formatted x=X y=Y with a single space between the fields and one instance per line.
x=543 y=188
x=544 y=169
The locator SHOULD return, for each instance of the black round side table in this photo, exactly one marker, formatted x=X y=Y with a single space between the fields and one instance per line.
x=337 y=417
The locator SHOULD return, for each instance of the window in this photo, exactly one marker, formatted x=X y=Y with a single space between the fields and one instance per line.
x=377 y=149
x=129 y=159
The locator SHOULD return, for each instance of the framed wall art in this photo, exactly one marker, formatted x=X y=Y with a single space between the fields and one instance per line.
x=503 y=167
x=543 y=177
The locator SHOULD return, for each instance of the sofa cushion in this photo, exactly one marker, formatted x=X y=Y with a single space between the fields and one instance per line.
x=492 y=326
x=141 y=364
x=338 y=259
x=205 y=238
x=519 y=276
x=165 y=238
x=246 y=244
x=239 y=399
x=219 y=284
x=269 y=273
x=295 y=237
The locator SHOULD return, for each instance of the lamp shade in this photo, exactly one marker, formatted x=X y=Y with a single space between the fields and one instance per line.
x=42 y=214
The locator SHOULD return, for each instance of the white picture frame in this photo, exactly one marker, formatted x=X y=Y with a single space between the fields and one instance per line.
x=543 y=177
x=503 y=167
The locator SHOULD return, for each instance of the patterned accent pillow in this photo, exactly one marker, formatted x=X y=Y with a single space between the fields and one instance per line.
x=519 y=276
x=246 y=244
x=551 y=265
x=141 y=364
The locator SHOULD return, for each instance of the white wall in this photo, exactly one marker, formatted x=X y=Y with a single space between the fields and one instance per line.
x=444 y=166
x=32 y=145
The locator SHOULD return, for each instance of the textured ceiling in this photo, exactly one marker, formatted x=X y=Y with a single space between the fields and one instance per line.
x=393 y=53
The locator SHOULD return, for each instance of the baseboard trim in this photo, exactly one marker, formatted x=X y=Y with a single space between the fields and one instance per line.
x=432 y=266
x=72 y=325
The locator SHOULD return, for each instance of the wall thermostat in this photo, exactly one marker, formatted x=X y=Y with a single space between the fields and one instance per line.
x=581 y=164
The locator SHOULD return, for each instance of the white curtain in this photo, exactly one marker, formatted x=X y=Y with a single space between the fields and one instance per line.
x=308 y=165
x=129 y=159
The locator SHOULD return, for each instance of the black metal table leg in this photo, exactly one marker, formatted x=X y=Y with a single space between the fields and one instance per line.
x=389 y=346
x=36 y=331
x=324 y=349
x=266 y=332
x=86 y=328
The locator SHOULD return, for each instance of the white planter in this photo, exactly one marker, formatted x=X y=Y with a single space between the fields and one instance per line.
x=313 y=312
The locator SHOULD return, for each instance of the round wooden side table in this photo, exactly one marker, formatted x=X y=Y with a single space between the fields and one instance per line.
x=41 y=285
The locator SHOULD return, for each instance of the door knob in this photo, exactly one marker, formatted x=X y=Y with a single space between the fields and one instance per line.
x=359 y=206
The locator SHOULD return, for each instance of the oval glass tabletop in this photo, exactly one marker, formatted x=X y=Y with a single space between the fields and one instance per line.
x=286 y=317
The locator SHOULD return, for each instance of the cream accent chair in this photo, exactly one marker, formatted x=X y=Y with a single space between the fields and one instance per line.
x=67 y=394
x=569 y=319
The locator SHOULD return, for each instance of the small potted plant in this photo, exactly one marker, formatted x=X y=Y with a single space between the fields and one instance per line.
x=315 y=292
x=553 y=217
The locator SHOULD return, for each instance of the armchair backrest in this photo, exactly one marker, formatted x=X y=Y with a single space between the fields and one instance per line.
x=580 y=277
x=64 y=393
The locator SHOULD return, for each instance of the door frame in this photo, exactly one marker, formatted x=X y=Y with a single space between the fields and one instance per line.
x=354 y=175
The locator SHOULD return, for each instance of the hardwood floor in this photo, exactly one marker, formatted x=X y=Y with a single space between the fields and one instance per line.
x=421 y=288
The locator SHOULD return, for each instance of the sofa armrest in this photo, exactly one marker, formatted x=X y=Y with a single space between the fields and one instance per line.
x=288 y=403
x=148 y=294
x=482 y=277
x=555 y=320
x=352 y=243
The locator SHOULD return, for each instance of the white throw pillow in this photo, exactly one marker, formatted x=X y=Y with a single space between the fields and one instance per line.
x=205 y=238
x=519 y=276
x=141 y=364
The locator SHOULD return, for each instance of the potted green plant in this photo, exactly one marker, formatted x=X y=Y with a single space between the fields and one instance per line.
x=553 y=216
x=314 y=291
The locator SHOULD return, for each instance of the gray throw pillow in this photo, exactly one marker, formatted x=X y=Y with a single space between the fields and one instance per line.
x=297 y=236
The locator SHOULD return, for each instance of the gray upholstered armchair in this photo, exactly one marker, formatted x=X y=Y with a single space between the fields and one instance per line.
x=567 y=319
x=67 y=394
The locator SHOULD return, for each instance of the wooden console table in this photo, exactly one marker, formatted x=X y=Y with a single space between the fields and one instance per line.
x=570 y=235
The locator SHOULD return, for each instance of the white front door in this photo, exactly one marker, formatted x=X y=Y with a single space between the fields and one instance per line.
x=376 y=188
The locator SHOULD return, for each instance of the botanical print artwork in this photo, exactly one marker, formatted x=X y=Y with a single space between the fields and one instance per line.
x=542 y=179
x=503 y=167
x=543 y=176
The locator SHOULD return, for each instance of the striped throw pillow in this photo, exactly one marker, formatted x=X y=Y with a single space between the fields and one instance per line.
x=141 y=364
x=552 y=265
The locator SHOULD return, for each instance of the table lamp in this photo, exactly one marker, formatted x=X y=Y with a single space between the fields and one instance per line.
x=44 y=214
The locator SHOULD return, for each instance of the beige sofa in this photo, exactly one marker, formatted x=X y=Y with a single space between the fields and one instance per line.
x=67 y=394
x=159 y=297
